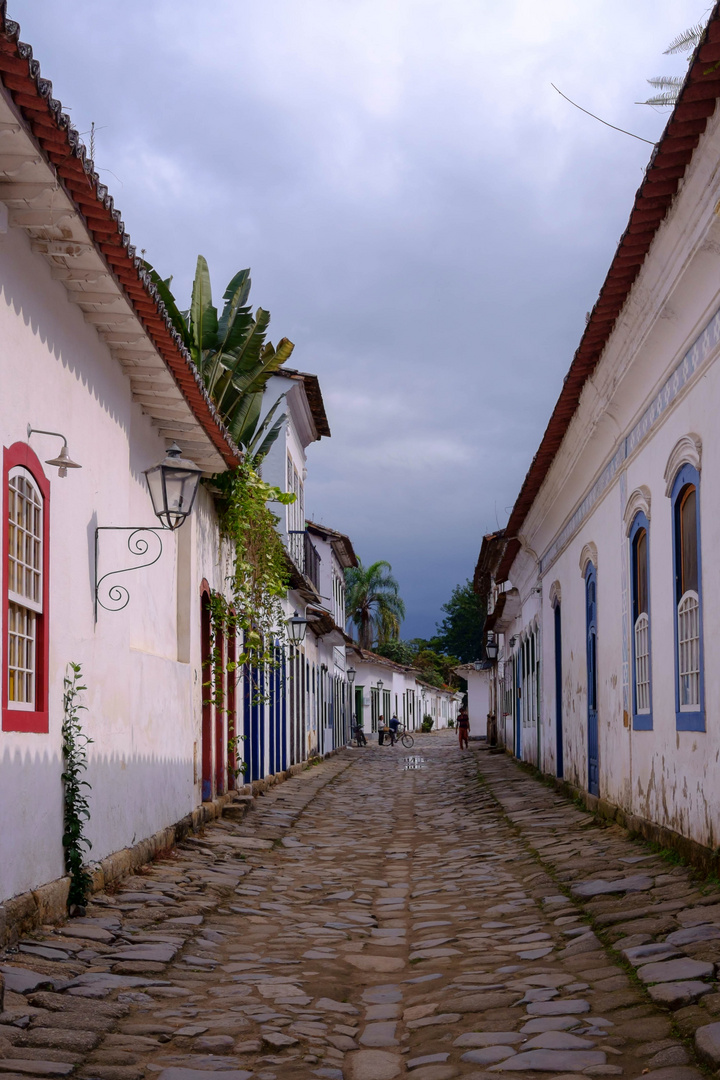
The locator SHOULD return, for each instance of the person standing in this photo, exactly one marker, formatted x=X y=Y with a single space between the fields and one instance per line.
x=463 y=726
x=381 y=730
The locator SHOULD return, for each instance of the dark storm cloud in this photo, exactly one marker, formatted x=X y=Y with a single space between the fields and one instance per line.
x=423 y=216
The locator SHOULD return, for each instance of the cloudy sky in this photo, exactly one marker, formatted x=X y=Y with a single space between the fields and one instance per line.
x=424 y=216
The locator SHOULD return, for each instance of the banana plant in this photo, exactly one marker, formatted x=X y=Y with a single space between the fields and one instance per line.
x=231 y=354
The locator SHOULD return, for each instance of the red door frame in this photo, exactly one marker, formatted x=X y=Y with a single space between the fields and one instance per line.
x=206 y=677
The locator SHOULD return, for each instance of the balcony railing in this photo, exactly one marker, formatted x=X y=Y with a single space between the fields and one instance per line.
x=305 y=555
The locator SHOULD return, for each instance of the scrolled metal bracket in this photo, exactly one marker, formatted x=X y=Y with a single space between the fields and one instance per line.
x=118 y=597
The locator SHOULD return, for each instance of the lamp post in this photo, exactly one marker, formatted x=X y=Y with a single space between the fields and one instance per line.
x=351 y=673
x=173 y=485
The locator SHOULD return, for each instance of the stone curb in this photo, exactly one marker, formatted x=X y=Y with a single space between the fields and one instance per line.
x=48 y=903
x=705 y=859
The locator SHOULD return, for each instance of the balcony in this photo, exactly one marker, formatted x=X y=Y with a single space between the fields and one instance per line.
x=305 y=555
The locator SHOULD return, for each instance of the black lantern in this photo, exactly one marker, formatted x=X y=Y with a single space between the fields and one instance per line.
x=296 y=629
x=380 y=684
x=351 y=673
x=491 y=648
x=173 y=486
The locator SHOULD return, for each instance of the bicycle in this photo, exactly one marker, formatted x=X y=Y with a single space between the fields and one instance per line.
x=358 y=736
x=402 y=735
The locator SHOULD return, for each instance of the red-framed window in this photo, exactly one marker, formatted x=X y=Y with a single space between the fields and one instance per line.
x=25 y=584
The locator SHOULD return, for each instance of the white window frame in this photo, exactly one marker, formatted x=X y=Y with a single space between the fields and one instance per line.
x=688 y=612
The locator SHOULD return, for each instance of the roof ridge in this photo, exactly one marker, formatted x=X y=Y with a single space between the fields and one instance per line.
x=667 y=165
x=60 y=142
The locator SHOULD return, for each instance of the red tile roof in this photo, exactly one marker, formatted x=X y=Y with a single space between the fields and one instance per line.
x=61 y=145
x=667 y=166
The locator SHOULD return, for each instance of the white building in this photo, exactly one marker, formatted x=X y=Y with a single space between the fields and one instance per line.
x=603 y=588
x=88 y=574
x=88 y=352
x=383 y=688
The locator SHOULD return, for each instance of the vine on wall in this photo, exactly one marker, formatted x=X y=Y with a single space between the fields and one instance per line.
x=257 y=580
x=76 y=806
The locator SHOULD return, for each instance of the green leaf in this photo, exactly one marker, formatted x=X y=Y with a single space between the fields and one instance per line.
x=203 y=316
x=258 y=446
x=176 y=316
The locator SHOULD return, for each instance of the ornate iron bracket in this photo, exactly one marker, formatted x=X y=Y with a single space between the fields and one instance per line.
x=118 y=596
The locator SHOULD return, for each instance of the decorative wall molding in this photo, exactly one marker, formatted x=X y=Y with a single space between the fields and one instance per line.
x=555 y=594
x=686 y=451
x=639 y=501
x=696 y=359
x=589 y=554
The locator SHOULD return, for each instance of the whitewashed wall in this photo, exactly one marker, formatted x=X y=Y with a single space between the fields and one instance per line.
x=658 y=381
x=142 y=674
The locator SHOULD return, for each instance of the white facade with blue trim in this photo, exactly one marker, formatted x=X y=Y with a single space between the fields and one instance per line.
x=609 y=670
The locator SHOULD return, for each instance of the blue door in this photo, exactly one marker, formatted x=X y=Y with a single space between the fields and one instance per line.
x=591 y=613
x=558 y=694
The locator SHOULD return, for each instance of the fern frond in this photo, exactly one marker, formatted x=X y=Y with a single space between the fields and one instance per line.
x=665 y=100
x=667 y=82
x=686 y=41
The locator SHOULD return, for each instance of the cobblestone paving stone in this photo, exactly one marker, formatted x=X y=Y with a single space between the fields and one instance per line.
x=382 y=914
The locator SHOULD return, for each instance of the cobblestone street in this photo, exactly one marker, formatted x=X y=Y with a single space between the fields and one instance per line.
x=384 y=913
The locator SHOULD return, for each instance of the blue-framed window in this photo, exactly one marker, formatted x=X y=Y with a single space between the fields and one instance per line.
x=641 y=651
x=688 y=621
x=592 y=679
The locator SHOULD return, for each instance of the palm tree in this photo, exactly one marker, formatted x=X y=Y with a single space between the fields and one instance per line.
x=231 y=354
x=373 y=603
x=669 y=86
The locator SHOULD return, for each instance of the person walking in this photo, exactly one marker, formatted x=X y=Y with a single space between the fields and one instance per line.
x=394 y=725
x=463 y=726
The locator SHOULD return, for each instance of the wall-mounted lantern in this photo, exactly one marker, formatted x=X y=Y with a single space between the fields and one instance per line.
x=63 y=461
x=297 y=628
x=491 y=647
x=173 y=485
x=380 y=685
x=351 y=673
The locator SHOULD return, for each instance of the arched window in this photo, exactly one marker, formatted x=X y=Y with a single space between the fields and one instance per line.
x=25 y=544
x=592 y=679
x=640 y=584
x=689 y=688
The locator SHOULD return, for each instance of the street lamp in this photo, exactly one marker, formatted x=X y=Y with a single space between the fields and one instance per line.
x=173 y=485
x=491 y=647
x=297 y=627
x=351 y=673
x=380 y=684
x=63 y=461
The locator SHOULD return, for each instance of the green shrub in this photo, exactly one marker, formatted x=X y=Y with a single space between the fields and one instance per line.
x=427 y=722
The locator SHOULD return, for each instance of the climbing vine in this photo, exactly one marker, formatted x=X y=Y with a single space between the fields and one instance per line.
x=257 y=580
x=76 y=806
